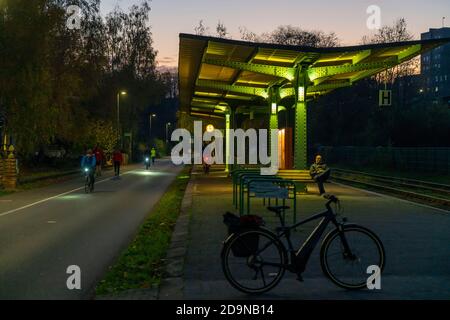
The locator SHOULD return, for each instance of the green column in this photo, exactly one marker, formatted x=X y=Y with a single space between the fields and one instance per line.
x=300 y=147
x=227 y=142
x=273 y=111
x=273 y=125
x=300 y=156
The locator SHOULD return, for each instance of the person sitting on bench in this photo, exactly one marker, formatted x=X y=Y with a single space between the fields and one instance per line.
x=320 y=173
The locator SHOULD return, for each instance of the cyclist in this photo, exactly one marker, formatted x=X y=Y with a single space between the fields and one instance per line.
x=320 y=173
x=153 y=155
x=88 y=162
x=147 y=158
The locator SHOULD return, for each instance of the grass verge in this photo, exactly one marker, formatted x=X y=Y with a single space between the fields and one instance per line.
x=4 y=192
x=141 y=264
x=40 y=179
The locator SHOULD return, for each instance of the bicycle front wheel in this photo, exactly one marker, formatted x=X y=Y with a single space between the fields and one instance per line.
x=254 y=261
x=87 y=185
x=346 y=256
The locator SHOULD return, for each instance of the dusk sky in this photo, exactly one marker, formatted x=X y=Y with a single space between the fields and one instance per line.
x=347 y=18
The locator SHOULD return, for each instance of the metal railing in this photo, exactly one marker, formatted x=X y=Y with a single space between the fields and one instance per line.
x=404 y=159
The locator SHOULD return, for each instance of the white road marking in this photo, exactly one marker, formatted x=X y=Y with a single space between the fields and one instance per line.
x=54 y=197
x=391 y=197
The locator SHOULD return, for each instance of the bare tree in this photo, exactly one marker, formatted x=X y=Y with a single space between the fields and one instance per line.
x=290 y=35
x=221 y=30
x=201 y=29
x=248 y=35
x=398 y=32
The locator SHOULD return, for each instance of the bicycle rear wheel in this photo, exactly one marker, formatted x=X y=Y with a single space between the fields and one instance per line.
x=254 y=261
x=349 y=268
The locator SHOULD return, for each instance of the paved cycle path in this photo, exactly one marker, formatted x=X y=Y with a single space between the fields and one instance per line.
x=43 y=231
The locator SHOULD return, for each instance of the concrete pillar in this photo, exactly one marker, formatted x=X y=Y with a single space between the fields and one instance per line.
x=10 y=170
x=2 y=168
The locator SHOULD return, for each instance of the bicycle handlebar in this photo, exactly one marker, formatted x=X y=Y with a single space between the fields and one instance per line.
x=331 y=199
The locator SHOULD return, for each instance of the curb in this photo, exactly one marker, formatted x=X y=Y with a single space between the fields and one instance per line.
x=172 y=283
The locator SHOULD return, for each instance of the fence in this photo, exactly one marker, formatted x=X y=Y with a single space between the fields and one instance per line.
x=405 y=159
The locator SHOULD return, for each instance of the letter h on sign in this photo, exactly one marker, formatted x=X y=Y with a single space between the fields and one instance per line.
x=385 y=99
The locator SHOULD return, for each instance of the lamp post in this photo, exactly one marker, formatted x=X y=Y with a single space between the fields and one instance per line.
x=168 y=124
x=120 y=93
x=152 y=115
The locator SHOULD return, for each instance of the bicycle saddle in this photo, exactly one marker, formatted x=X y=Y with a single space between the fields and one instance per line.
x=278 y=209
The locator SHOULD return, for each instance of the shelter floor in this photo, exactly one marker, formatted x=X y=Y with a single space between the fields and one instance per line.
x=415 y=237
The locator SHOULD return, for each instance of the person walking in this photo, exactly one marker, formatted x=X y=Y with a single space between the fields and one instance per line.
x=117 y=160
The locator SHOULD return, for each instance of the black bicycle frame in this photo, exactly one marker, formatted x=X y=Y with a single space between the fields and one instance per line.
x=301 y=257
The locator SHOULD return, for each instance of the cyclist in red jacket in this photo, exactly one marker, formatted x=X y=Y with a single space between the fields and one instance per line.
x=117 y=160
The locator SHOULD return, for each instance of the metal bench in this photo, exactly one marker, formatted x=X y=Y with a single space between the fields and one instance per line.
x=300 y=177
x=267 y=188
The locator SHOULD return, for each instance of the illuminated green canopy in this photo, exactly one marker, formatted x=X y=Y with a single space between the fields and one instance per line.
x=215 y=73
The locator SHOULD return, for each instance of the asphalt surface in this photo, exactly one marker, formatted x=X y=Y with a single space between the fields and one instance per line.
x=46 y=230
x=416 y=239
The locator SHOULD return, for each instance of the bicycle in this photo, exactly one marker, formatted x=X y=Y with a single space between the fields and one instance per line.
x=248 y=252
x=89 y=181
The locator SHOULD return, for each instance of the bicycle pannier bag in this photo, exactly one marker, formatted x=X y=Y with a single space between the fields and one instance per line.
x=246 y=245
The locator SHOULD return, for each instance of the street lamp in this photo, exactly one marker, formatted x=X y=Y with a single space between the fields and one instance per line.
x=168 y=124
x=152 y=115
x=120 y=93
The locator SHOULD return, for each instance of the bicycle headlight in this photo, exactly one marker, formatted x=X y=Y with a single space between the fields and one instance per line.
x=86 y=170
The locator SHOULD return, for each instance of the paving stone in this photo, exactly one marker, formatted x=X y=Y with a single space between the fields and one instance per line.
x=414 y=237
x=171 y=289
x=135 y=294
x=178 y=252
